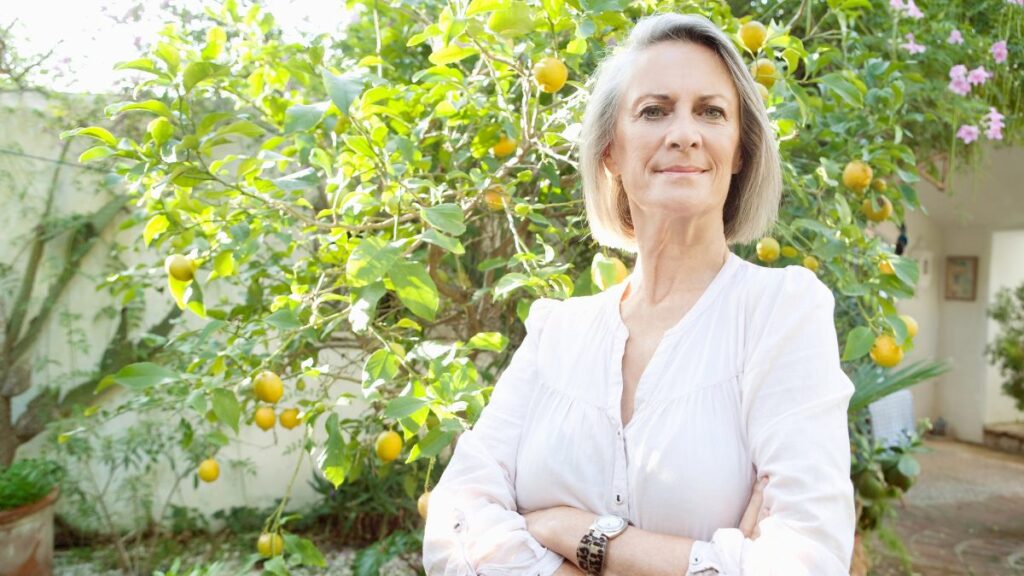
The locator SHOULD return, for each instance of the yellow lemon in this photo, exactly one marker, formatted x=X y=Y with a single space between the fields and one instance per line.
x=811 y=263
x=422 y=504
x=181 y=268
x=879 y=185
x=264 y=417
x=763 y=72
x=268 y=387
x=209 y=470
x=911 y=324
x=885 y=267
x=289 y=418
x=504 y=147
x=857 y=176
x=765 y=94
x=753 y=35
x=270 y=545
x=495 y=198
x=599 y=268
x=768 y=249
x=550 y=74
x=879 y=215
x=789 y=252
x=885 y=352
x=388 y=445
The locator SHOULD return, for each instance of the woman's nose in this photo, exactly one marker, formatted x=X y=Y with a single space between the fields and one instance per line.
x=683 y=132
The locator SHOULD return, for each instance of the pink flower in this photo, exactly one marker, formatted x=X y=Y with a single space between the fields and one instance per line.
x=967 y=133
x=958 y=71
x=999 y=51
x=994 y=119
x=978 y=76
x=956 y=38
x=911 y=46
x=960 y=85
x=913 y=11
x=897 y=5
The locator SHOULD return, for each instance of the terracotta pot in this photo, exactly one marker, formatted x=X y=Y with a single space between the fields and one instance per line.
x=26 y=538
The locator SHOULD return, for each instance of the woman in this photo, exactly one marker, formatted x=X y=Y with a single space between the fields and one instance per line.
x=648 y=429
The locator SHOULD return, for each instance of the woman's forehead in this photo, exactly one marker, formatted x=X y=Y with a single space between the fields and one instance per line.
x=679 y=69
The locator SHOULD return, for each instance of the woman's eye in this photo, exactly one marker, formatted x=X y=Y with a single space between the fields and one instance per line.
x=716 y=113
x=652 y=112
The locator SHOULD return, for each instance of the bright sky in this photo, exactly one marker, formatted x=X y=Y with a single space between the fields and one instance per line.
x=87 y=42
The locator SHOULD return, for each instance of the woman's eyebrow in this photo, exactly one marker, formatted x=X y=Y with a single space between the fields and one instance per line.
x=667 y=98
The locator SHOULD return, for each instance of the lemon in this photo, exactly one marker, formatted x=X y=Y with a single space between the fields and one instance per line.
x=606 y=272
x=289 y=418
x=388 y=445
x=181 y=268
x=270 y=545
x=763 y=72
x=788 y=251
x=550 y=74
x=422 y=504
x=885 y=352
x=857 y=176
x=911 y=324
x=753 y=35
x=885 y=267
x=268 y=387
x=264 y=417
x=879 y=215
x=811 y=263
x=768 y=249
x=504 y=147
x=209 y=470
x=495 y=198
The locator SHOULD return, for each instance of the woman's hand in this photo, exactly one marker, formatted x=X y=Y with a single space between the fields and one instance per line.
x=755 y=512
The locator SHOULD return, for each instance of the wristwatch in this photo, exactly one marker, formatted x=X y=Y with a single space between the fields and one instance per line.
x=591 y=551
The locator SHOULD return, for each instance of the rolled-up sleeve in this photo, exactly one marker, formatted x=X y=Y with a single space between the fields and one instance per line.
x=473 y=526
x=795 y=400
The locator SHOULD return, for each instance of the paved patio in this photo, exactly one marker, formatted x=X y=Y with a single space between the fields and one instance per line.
x=965 y=516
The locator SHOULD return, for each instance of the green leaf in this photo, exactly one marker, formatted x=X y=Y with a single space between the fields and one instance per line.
x=858 y=343
x=245 y=128
x=404 y=406
x=169 y=55
x=343 y=89
x=843 y=88
x=305 y=550
x=513 y=21
x=493 y=341
x=371 y=261
x=226 y=407
x=101 y=134
x=197 y=72
x=154 y=106
x=223 y=265
x=333 y=461
x=451 y=54
x=481 y=6
x=145 y=375
x=215 y=38
x=96 y=153
x=142 y=64
x=301 y=180
x=906 y=269
x=415 y=288
x=379 y=368
x=445 y=217
x=908 y=466
x=441 y=241
x=431 y=444
x=303 y=117
x=510 y=282
x=284 y=319
x=364 y=308
x=154 y=227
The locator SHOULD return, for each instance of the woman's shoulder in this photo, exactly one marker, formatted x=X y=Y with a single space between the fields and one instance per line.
x=546 y=311
x=789 y=285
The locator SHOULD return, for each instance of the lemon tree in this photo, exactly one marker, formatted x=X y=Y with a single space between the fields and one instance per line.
x=408 y=187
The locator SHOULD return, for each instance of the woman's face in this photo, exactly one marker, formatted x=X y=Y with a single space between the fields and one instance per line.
x=677 y=134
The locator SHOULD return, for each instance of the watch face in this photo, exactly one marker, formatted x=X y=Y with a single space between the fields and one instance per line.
x=611 y=525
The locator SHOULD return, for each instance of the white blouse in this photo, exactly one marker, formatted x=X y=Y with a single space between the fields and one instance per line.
x=746 y=384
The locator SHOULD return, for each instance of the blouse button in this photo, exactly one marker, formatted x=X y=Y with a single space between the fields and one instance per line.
x=618 y=498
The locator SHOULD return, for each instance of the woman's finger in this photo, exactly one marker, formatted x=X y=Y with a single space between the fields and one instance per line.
x=749 y=521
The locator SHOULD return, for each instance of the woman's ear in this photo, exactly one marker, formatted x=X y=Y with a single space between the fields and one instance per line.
x=609 y=163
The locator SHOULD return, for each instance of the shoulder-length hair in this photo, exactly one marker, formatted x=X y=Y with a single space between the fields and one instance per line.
x=754 y=193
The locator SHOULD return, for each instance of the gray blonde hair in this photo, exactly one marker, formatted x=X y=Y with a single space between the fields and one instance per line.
x=754 y=193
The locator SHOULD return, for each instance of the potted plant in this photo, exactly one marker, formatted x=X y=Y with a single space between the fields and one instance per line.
x=28 y=491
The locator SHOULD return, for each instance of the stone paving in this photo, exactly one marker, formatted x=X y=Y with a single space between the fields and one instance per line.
x=965 y=515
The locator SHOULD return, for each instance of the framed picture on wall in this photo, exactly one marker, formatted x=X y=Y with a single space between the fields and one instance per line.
x=961 y=277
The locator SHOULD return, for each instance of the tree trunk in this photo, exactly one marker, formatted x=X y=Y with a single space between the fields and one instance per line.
x=8 y=440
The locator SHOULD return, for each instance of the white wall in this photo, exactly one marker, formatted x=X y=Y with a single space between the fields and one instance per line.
x=1007 y=272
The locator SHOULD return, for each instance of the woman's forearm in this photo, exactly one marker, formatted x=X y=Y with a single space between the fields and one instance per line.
x=635 y=552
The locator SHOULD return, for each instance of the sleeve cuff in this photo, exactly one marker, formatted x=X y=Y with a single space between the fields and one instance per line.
x=704 y=560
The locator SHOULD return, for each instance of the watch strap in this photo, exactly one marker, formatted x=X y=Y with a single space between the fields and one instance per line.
x=591 y=551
